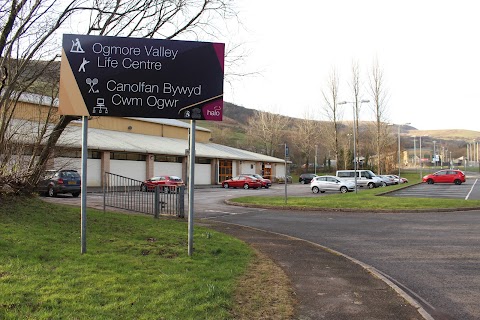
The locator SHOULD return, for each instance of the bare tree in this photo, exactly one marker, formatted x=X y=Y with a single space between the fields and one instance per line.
x=379 y=108
x=268 y=130
x=306 y=136
x=29 y=48
x=333 y=112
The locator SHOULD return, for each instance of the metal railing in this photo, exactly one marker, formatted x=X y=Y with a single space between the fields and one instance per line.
x=130 y=194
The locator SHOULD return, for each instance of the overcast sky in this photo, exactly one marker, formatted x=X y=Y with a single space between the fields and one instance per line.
x=429 y=51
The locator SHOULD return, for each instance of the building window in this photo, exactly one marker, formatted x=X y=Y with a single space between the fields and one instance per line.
x=128 y=156
x=203 y=160
x=164 y=158
x=94 y=155
x=69 y=153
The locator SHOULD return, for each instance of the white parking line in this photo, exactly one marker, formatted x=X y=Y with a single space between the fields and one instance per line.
x=471 y=189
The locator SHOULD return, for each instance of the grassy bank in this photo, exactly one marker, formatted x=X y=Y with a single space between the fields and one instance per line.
x=135 y=267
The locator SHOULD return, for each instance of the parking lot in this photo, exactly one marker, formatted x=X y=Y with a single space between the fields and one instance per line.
x=470 y=190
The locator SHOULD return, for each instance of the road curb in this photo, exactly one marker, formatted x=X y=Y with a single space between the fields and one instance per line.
x=370 y=269
x=322 y=209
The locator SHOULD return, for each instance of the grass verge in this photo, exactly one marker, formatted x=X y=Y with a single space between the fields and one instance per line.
x=136 y=267
x=364 y=200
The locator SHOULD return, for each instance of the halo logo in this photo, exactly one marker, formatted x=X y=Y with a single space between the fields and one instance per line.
x=213 y=111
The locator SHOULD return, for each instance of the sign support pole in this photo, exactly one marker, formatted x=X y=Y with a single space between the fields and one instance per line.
x=84 y=184
x=191 y=184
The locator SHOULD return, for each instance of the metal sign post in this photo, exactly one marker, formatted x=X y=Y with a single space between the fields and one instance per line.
x=83 y=187
x=191 y=183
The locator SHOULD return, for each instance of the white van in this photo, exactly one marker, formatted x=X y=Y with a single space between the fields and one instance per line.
x=365 y=178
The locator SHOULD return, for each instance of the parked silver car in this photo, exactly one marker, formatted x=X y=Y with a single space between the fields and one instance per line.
x=388 y=180
x=331 y=183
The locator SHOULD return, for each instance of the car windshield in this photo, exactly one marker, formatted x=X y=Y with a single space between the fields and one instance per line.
x=370 y=174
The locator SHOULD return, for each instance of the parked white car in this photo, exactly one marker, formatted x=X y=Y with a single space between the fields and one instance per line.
x=365 y=178
x=331 y=183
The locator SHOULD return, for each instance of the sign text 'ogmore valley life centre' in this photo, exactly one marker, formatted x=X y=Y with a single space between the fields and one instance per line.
x=136 y=77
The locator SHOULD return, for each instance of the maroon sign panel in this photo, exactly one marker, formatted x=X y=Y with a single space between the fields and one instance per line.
x=134 y=77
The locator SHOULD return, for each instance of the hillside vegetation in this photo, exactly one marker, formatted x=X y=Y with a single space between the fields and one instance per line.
x=235 y=119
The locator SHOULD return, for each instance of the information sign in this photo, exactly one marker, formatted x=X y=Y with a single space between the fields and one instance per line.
x=136 y=77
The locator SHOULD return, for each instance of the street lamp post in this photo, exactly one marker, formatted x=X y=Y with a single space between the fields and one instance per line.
x=286 y=171
x=315 y=165
x=354 y=103
x=415 y=152
x=434 y=155
x=420 y=157
x=399 y=158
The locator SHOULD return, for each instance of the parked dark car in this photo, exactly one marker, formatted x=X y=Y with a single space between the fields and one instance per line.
x=445 y=176
x=59 y=182
x=165 y=183
x=240 y=181
x=306 y=177
x=266 y=183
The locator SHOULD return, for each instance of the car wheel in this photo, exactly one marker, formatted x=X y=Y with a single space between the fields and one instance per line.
x=343 y=189
x=166 y=190
x=225 y=185
x=51 y=192
x=246 y=186
x=302 y=181
x=458 y=182
x=143 y=188
x=430 y=181
x=75 y=194
x=384 y=184
x=371 y=186
x=315 y=190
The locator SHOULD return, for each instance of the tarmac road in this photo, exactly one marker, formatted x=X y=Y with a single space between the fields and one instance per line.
x=433 y=256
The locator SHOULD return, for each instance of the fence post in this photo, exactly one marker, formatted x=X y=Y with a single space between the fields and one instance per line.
x=156 y=205
x=181 y=202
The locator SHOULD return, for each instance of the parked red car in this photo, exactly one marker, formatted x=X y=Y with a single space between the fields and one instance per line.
x=242 y=181
x=266 y=183
x=445 y=176
x=166 y=183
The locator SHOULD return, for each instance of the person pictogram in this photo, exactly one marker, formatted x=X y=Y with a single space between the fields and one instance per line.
x=82 y=66
x=76 y=46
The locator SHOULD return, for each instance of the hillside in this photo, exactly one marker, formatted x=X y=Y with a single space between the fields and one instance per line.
x=450 y=134
x=236 y=118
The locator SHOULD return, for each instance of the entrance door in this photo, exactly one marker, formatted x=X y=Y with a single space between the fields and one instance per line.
x=224 y=170
x=267 y=171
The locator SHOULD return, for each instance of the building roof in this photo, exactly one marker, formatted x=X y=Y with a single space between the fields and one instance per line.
x=108 y=140
x=118 y=141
